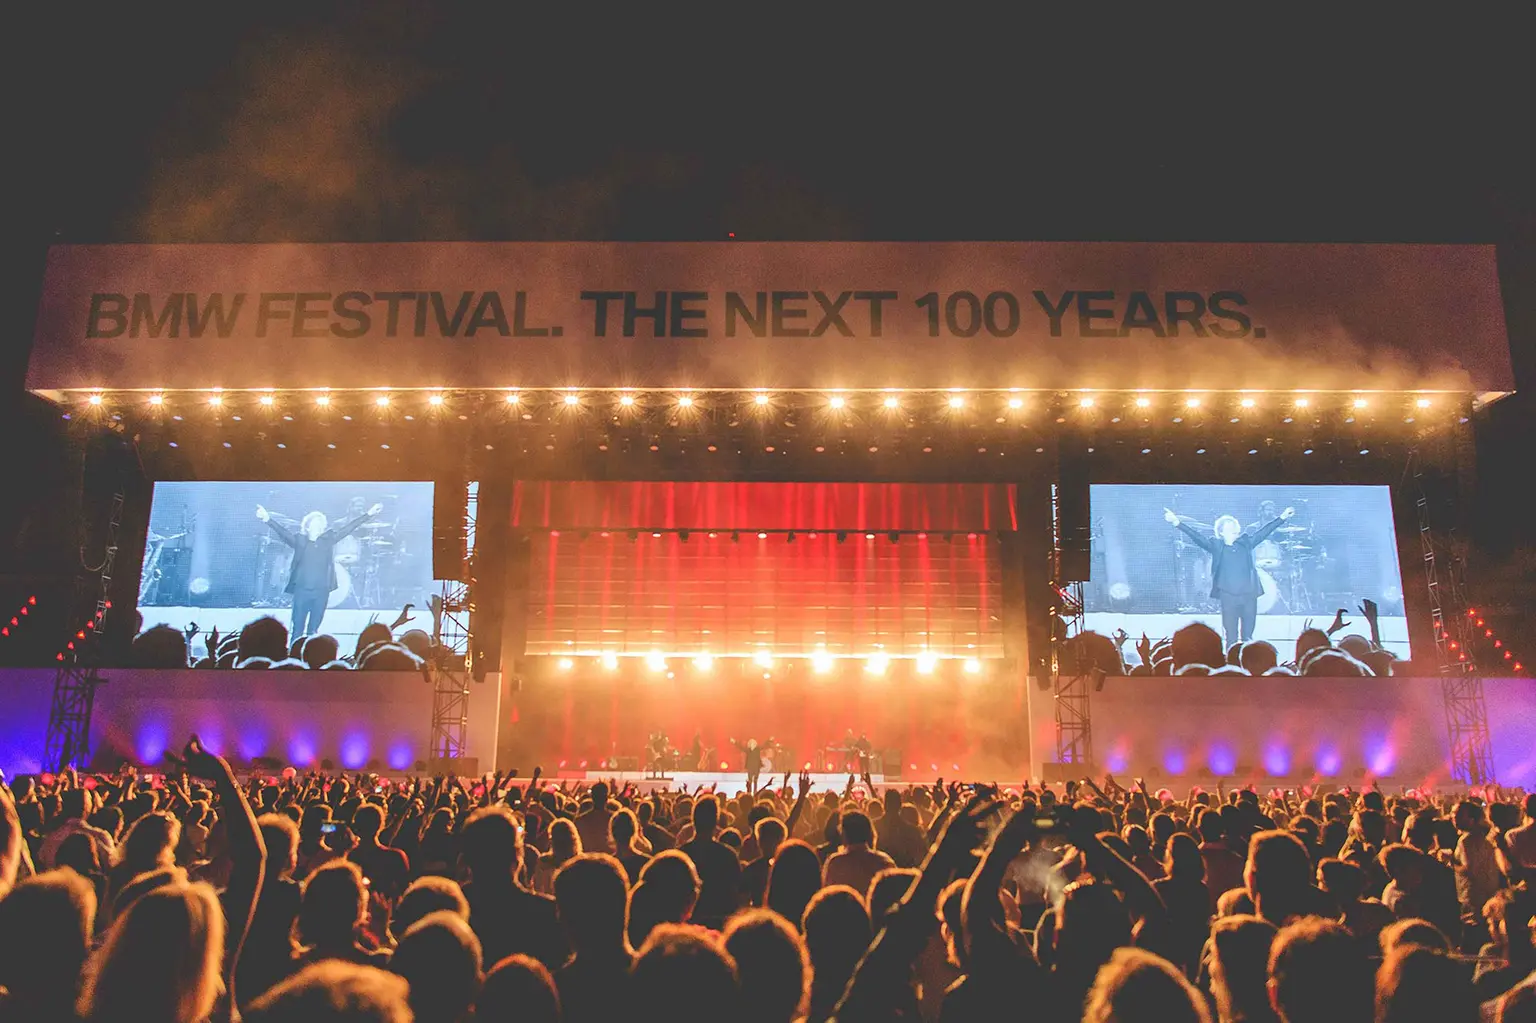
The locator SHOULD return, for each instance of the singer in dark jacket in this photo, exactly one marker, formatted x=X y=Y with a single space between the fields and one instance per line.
x=1234 y=577
x=312 y=576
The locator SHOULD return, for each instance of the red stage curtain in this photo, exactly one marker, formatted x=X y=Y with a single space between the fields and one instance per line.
x=578 y=504
x=592 y=592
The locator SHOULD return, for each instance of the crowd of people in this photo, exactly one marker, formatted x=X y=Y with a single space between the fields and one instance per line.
x=1198 y=649
x=264 y=643
x=195 y=895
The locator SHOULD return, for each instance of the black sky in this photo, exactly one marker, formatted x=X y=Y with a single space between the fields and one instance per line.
x=397 y=121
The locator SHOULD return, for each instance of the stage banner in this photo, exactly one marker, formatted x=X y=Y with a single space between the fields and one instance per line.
x=782 y=315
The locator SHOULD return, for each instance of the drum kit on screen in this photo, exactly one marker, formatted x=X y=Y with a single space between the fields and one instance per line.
x=1290 y=562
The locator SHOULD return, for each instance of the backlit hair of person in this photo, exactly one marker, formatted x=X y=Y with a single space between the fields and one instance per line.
x=772 y=966
x=46 y=923
x=1216 y=526
x=1136 y=986
x=160 y=960
x=313 y=516
x=334 y=991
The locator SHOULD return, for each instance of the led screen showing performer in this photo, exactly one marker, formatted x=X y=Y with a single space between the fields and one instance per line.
x=319 y=557
x=1253 y=562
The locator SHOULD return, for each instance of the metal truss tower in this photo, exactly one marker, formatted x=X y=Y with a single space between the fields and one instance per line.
x=453 y=668
x=1069 y=682
x=1461 y=684
x=68 y=740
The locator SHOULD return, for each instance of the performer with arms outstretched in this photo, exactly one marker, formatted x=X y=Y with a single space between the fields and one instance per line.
x=312 y=576
x=754 y=761
x=1234 y=577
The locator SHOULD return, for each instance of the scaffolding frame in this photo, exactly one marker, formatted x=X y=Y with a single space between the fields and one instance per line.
x=1070 y=684
x=1461 y=684
x=453 y=666
x=68 y=740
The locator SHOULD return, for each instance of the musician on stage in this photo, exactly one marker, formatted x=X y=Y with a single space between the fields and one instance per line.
x=1234 y=577
x=754 y=761
x=696 y=753
x=312 y=576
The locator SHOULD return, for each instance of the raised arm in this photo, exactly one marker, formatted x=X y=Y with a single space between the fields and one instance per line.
x=1262 y=533
x=1205 y=543
x=900 y=937
x=246 y=849
x=350 y=526
x=794 y=813
x=284 y=534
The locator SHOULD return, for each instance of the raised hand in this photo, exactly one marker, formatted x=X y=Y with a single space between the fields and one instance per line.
x=375 y=509
x=1338 y=622
x=1369 y=610
x=263 y=514
x=965 y=831
x=1288 y=513
x=1170 y=517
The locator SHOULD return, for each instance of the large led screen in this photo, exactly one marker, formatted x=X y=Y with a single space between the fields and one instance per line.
x=320 y=557
x=1270 y=559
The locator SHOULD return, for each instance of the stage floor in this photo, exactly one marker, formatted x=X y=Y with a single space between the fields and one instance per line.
x=725 y=781
x=1281 y=630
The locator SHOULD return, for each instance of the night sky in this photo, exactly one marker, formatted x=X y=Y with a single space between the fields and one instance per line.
x=392 y=122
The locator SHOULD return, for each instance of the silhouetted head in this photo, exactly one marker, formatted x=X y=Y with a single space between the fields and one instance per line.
x=772 y=966
x=1136 y=986
x=1240 y=947
x=793 y=878
x=1197 y=643
x=688 y=971
x=491 y=844
x=265 y=637
x=439 y=957
x=592 y=899
x=427 y=895
x=161 y=959
x=334 y=905
x=518 y=988
x=319 y=651
x=334 y=991
x=1318 y=973
x=46 y=924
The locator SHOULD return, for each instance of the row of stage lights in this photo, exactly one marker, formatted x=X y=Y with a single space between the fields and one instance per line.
x=955 y=401
x=821 y=662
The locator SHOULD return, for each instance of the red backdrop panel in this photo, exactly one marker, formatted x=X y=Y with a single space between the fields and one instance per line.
x=605 y=592
x=575 y=504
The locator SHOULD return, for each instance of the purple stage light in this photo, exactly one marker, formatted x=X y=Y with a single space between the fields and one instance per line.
x=354 y=750
x=400 y=755
x=1221 y=760
x=1277 y=760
